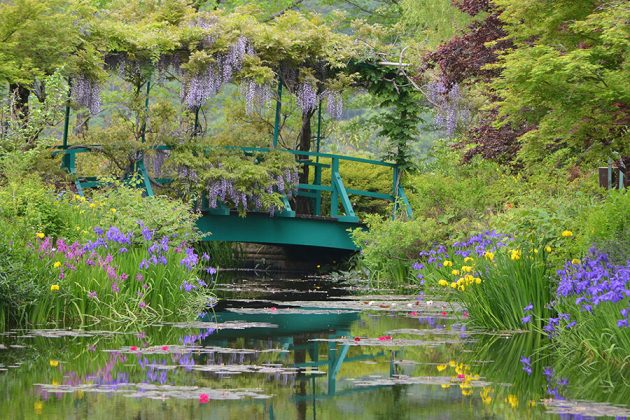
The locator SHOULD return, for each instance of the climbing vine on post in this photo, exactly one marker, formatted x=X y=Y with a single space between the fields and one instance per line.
x=401 y=106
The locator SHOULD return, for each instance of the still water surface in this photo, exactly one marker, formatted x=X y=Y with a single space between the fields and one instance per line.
x=297 y=349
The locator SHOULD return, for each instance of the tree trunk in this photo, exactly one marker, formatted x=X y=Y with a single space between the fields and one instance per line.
x=20 y=101
x=82 y=124
x=306 y=135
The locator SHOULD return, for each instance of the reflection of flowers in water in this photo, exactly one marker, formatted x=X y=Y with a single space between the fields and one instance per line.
x=555 y=385
x=103 y=376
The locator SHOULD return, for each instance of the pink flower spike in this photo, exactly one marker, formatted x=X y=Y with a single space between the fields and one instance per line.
x=204 y=398
x=165 y=348
x=133 y=348
x=465 y=314
x=385 y=338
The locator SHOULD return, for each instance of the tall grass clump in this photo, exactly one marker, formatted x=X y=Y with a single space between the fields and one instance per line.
x=121 y=277
x=494 y=276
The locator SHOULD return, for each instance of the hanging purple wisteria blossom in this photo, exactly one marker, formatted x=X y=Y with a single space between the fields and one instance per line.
x=307 y=97
x=117 y=62
x=201 y=86
x=206 y=23
x=256 y=96
x=224 y=190
x=168 y=62
x=234 y=58
x=334 y=104
x=450 y=111
x=87 y=93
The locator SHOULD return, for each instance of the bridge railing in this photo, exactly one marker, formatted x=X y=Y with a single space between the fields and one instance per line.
x=339 y=193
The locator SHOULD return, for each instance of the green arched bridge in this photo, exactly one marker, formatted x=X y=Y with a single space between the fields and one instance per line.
x=287 y=227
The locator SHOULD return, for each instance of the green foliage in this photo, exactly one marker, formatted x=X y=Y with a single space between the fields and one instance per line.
x=432 y=22
x=567 y=75
x=607 y=226
x=461 y=197
x=164 y=215
x=400 y=110
x=20 y=271
x=388 y=246
x=254 y=176
x=16 y=134
x=40 y=36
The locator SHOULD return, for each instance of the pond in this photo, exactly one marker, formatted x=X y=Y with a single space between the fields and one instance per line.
x=298 y=349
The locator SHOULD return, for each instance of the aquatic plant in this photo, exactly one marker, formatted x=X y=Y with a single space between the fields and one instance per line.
x=593 y=304
x=494 y=276
x=122 y=277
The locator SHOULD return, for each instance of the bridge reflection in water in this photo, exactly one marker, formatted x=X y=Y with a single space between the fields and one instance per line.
x=310 y=338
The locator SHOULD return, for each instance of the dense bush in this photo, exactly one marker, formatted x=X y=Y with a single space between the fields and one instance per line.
x=388 y=245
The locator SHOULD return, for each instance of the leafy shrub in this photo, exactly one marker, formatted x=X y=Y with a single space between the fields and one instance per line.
x=388 y=245
x=20 y=274
x=608 y=226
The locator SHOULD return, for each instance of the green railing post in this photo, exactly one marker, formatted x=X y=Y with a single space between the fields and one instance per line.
x=609 y=173
x=146 y=112
x=196 y=129
x=65 y=160
x=334 y=195
x=276 y=126
x=140 y=168
x=395 y=181
x=319 y=130
x=318 y=194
